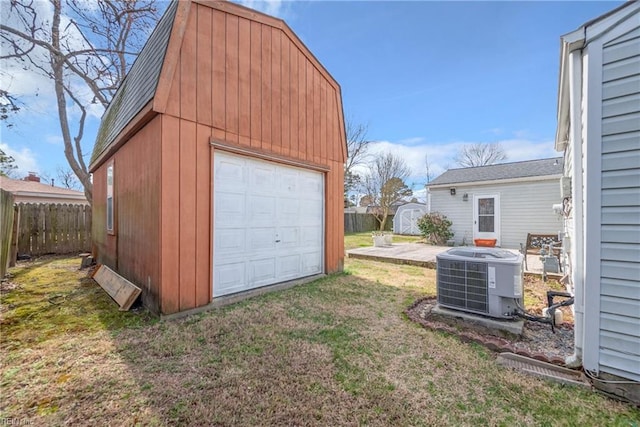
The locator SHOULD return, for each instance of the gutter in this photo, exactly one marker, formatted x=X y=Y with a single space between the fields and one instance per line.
x=496 y=181
x=568 y=43
x=49 y=195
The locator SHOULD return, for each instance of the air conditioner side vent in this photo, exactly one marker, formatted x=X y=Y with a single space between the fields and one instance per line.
x=463 y=285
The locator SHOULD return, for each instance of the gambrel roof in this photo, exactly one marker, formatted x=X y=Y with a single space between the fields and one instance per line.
x=145 y=90
x=502 y=171
x=139 y=86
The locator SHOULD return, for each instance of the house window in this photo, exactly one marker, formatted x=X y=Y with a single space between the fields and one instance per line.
x=110 y=198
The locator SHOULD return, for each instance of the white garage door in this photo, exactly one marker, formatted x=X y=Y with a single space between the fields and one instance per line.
x=268 y=223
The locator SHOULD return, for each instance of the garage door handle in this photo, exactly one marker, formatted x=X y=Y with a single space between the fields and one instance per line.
x=277 y=241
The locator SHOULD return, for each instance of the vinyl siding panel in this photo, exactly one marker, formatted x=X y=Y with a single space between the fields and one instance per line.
x=620 y=209
x=525 y=207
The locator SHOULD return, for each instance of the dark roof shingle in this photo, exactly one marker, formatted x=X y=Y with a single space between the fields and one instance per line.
x=138 y=87
x=529 y=168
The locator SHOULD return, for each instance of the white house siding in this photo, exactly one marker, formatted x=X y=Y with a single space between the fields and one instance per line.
x=525 y=207
x=620 y=208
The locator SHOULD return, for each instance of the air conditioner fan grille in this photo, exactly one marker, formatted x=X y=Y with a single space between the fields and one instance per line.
x=463 y=284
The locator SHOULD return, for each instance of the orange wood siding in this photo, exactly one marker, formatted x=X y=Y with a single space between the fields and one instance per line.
x=137 y=203
x=133 y=249
x=170 y=214
x=253 y=81
x=186 y=219
x=246 y=82
x=99 y=218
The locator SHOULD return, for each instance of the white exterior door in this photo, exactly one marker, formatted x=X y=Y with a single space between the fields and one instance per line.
x=268 y=223
x=486 y=217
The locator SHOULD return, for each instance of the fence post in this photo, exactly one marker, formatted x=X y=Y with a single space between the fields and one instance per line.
x=15 y=232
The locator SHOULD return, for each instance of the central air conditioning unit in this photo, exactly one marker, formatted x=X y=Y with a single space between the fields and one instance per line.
x=486 y=281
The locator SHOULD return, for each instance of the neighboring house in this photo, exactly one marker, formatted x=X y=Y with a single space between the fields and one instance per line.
x=218 y=166
x=503 y=202
x=599 y=133
x=31 y=190
x=406 y=219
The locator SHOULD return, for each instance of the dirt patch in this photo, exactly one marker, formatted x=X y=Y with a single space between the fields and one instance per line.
x=538 y=340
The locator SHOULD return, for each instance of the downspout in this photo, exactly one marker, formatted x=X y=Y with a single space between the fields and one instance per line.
x=577 y=240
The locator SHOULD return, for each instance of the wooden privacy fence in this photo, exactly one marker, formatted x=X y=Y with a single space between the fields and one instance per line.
x=359 y=222
x=6 y=226
x=53 y=228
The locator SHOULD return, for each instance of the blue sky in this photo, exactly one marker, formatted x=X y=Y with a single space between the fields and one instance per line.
x=427 y=77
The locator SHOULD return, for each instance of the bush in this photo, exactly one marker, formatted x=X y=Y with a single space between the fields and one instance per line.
x=435 y=227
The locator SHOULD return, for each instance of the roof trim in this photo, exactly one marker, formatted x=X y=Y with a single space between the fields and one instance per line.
x=27 y=193
x=139 y=120
x=161 y=96
x=262 y=155
x=498 y=181
x=576 y=40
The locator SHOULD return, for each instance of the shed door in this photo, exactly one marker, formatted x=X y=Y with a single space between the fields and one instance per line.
x=268 y=223
x=486 y=217
x=409 y=221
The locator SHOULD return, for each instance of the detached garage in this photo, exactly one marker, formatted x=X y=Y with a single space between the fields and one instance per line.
x=218 y=167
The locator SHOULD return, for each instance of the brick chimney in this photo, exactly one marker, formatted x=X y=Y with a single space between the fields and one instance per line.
x=32 y=177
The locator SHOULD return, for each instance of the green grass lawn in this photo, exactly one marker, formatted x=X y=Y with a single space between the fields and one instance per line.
x=337 y=351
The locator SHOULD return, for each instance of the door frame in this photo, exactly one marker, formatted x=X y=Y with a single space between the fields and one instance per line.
x=496 y=234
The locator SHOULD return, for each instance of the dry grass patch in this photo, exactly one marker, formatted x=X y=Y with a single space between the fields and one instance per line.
x=337 y=351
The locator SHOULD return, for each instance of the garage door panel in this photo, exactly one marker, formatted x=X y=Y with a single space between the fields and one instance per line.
x=289 y=266
x=229 y=209
x=262 y=272
x=261 y=210
x=311 y=187
x=288 y=210
x=268 y=225
x=309 y=236
x=230 y=278
x=287 y=183
x=261 y=239
x=311 y=263
x=311 y=212
x=229 y=242
x=289 y=237
x=230 y=173
x=262 y=178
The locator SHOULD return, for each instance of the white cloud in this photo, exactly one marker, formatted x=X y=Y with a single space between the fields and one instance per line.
x=54 y=140
x=278 y=8
x=24 y=159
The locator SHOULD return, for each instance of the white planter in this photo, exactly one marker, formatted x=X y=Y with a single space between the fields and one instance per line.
x=388 y=239
x=378 y=241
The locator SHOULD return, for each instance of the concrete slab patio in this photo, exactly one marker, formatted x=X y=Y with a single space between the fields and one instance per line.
x=418 y=254
x=422 y=255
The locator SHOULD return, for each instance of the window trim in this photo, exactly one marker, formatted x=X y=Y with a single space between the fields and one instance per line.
x=110 y=208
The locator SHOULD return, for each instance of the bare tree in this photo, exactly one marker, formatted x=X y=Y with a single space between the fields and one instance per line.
x=385 y=184
x=428 y=168
x=64 y=177
x=67 y=178
x=479 y=154
x=84 y=48
x=357 y=154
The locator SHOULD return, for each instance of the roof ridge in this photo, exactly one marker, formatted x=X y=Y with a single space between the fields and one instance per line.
x=506 y=163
